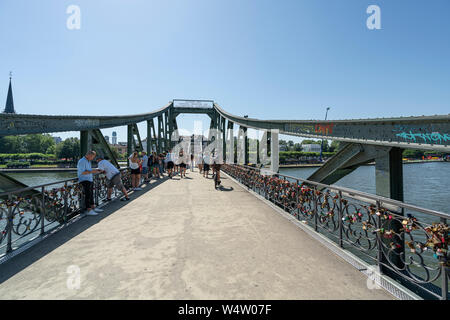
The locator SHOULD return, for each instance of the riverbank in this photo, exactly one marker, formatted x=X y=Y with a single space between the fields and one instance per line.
x=312 y=165
x=299 y=165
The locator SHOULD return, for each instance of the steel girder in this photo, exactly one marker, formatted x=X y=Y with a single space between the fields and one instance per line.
x=426 y=132
x=94 y=138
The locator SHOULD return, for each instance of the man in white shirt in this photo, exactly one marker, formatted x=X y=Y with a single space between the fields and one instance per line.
x=113 y=177
x=144 y=166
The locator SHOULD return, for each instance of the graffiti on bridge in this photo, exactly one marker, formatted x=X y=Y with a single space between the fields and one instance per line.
x=323 y=129
x=426 y=137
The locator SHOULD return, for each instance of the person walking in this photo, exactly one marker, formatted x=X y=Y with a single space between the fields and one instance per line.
x=85 y=178
x=182 y=164
x=192 y=162
x=113 y=178
x=170 y=164
x=135 y=171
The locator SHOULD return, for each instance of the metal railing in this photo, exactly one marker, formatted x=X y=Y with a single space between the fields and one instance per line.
x=411 y=249
x=28 y=213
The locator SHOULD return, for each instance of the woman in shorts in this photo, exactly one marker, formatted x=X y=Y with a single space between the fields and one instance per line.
x=135 y=163
x=182 y=164
x=170 y=164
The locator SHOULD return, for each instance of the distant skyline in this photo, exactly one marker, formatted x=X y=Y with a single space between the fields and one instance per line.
x=286 y=59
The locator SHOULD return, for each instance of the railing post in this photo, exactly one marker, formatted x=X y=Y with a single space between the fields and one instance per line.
x=444 y=280
x=379 y=242
x=315 y=196
x=96 y=189
x=65 y=202
x=9 y=225
x=341 y=222
x=296 y=199
x=43 y=211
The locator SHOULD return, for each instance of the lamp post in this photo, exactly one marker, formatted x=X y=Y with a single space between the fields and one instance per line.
x=321 y=145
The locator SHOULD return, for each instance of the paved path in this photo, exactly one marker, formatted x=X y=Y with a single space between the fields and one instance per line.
x=181 y=239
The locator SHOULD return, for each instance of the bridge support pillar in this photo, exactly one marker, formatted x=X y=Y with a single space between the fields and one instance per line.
x=129 y=142
x=85 y=142
x=389 y=184
x=246 y=157
x=230 y=143
x=389 y=174
x=274 y=151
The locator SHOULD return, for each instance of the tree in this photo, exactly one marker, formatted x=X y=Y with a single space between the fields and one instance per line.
x=69 y=149
x=38 y=142
x=12 y=144
x=334 y=146
x=311 y=142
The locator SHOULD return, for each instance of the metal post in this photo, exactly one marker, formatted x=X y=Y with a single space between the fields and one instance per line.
x=341 y=223
x=315 y=196
x=389 y=184
x=129 y=142
x=160 y=133
x=43 y=211
x=96 y=184
x=149 y=137
x=321 y=144
x=9 y=225
x=380 y=258
x=65 y=202
x=296 y=198
x=246 y=160
x=85 y=142
x=274 y=151
x=444 y=277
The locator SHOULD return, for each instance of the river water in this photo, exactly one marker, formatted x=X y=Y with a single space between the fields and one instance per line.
x=425 y=184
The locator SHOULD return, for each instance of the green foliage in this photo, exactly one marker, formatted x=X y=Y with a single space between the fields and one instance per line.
x=30 y=143
x=284 y=155
x=32 y=157
x=18 y=164
x=412 y=154
x=69 y=149
x=334 y=146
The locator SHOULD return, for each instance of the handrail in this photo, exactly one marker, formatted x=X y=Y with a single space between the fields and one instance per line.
x=360 y=193
x=412 y=250
x=2 y=194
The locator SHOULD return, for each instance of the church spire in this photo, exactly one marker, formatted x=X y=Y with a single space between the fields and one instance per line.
x=9 y=107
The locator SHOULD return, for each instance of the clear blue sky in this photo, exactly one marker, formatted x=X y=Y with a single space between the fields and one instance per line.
x=268 y=59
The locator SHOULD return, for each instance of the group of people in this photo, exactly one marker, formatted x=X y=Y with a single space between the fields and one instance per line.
x=141 y=165
x=86 y=179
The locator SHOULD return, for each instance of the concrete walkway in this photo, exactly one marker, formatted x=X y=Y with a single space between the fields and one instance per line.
x=181 y=239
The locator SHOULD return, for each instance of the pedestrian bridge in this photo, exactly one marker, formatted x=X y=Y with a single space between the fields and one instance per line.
x=182 y=239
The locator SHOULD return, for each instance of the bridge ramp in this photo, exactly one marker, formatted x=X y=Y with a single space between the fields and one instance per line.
x=181 y=239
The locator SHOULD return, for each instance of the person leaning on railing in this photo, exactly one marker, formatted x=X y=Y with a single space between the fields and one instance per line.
x=85 y=178
x=113 y=178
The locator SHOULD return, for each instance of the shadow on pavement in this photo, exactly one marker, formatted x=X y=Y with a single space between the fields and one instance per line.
x=47 y=245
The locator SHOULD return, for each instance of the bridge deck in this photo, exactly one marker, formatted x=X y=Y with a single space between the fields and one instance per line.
x=181 y=239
